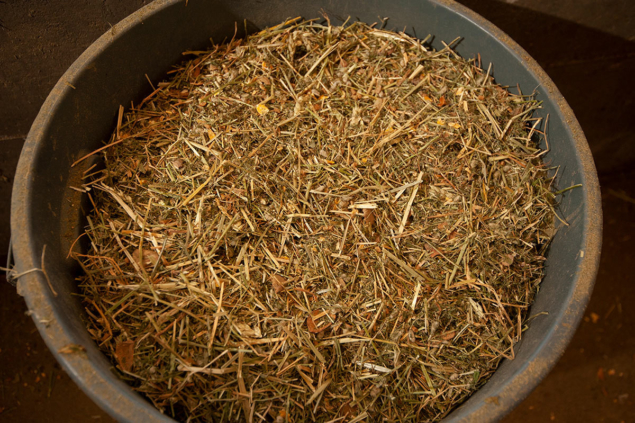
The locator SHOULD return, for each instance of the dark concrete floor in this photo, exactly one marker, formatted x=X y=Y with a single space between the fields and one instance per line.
x=586 y=46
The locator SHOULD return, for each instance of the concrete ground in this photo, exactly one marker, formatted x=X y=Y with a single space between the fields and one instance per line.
x=586 y=46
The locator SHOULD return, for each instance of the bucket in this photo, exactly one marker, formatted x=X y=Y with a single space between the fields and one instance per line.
x=80 y=113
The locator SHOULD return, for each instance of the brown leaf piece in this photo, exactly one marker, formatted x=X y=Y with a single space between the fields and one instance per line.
x=369 y=220
x=311 y=325
x=148 y=258
x=124 y=352
x=448 y=335
x=278 y=283
x=246 y=330
x=347 y=410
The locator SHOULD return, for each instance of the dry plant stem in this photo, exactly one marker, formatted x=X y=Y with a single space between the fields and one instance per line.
x=316 y=223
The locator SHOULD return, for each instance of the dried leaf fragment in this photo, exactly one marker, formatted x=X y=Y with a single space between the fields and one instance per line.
x=492 y=400
x=178 y=163
x=600 y=373
x=148 y=258
x=124 y=353
x=448 y=335
x=72 y=349
x=262 y=109
x=245 y=330
x=347 y=410
x=311 y=325
x=507 y=260
x=369 y=219
x=278 y=283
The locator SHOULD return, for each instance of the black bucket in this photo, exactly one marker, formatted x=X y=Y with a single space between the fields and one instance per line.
x=80 y=114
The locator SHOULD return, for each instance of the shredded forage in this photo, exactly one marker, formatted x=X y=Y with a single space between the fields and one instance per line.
x=316 y=223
